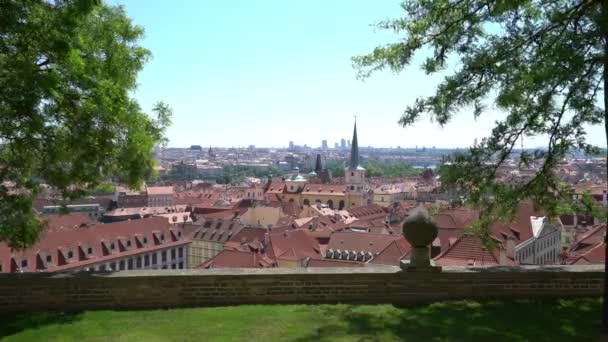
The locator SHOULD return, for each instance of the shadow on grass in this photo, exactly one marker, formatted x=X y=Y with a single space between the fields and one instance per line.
x=15 y=323
x=563 y=320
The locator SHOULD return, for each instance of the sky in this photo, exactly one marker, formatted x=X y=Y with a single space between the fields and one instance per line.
x=266 y=72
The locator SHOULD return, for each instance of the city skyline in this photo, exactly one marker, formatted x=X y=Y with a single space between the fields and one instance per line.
x=269 y=77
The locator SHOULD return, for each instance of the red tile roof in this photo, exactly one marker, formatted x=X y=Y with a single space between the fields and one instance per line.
x=595 y=255
x=68 y=222
x=457 y=218
x=396 y=251
x=324 y=189
x=237 y=259
x=293 y=245
x=370 y=211
x=467 y=250
x=589 y=240
x=361 y=242
x=57 y=243
x=334 y=263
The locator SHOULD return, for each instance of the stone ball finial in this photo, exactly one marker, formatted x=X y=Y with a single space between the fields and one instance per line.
x=419 y=229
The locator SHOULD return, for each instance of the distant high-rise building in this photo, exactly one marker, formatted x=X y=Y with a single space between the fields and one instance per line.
x=324 y=144
x=343 y=143
x=348 y=143
x=336 y=146
x=291 y=145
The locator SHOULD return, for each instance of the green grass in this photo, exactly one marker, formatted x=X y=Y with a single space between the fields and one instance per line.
x=563 y=320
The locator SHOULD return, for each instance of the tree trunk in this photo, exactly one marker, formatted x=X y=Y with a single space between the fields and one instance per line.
x=604 y=28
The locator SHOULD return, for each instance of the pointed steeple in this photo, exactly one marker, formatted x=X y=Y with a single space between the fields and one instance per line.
x=354 y=150
x=318 y=165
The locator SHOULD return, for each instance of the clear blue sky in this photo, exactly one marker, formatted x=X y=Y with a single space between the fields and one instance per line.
x=264 y=72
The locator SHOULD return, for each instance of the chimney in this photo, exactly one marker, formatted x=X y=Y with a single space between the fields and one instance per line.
x=266 y=239
x=502 y=256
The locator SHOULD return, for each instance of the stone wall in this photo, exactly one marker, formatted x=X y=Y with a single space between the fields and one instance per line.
x=185 y=288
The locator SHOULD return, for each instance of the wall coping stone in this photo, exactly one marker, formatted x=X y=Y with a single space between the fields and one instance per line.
x=309 y=271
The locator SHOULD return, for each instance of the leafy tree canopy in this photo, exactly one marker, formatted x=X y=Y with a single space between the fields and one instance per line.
x=67 y=68
x=542 y=62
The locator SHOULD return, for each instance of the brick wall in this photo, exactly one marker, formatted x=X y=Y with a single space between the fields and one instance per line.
x=183 y=288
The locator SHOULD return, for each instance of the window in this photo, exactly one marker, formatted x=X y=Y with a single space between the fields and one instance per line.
x=90 y=250
x=130 y=264
x=49 y=258
x=128 y=243
x=112 y=246
x=173 y=252
x=154 y=259
x=145 y=240
x=113 y=266
x=24 y=263
x=164 y=256
x=102 y=267
x=70 y=254
x=179 y=234
x=147 y=260
x=122 y=265
x=173 y=266
x=164 y=267
x=138 y=262
x=162 y=237
x=180 y=252
x=180 y=266
x=352 y=173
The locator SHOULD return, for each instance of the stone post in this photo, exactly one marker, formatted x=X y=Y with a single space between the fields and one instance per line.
x=420 y=231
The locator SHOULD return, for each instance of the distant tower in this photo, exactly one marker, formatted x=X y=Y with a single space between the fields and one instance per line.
x=324 y=144
x=211 y=153
x=322 y=173
x=354 y=176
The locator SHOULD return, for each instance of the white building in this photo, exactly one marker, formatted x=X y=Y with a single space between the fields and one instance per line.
x=543 y=247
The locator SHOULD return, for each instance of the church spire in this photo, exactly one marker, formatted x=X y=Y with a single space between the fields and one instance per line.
x=354 y=150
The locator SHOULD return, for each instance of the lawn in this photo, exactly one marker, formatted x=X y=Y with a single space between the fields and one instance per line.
x=564 y=320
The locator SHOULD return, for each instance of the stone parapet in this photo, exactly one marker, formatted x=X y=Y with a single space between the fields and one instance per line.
x=366 y=285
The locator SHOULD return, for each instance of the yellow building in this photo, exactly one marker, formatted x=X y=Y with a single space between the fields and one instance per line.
x=354 y=192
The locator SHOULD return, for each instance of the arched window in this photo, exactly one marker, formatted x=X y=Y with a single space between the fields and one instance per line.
x=341 y=205
x=330 y=204
x=306 y=201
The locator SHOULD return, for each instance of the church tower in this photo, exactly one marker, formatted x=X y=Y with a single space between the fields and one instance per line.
x=354 y=176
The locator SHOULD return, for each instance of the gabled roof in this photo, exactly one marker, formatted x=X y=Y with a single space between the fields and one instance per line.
x=334 y=263
x=369 y=211
x=595 y=255
x=457 y=218
x=99 y=238
x=396 y=251
x=293 y=245
x=237 y=259
x=467 y=250
x=360 y=242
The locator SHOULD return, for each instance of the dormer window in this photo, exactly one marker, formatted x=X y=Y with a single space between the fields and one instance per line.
x=90 y=250
x=49 y=258
x=128 y=243
x=162 y=237
x=24 y=263
x=112 y=246
x=179 y=234
x=70 y=254
x=352 y=173
x=145 y=240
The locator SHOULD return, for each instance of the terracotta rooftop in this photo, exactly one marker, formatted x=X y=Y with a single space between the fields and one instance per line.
x=293 y=245
x=159 y=190
x=467 y=250
x=237 y=259
x=324 y=189
x=92 y=244
x=368 y=211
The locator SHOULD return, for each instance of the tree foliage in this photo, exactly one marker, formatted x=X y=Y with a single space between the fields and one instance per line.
x=542 y=62
x=67 y=68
